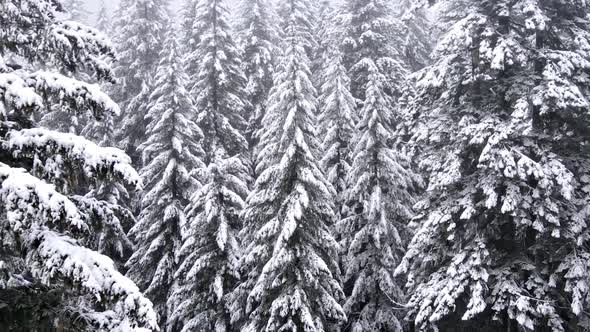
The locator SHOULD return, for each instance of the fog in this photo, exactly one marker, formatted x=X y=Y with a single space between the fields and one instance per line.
x=93 y=6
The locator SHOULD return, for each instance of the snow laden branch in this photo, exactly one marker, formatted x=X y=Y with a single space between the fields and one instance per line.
x=59 y=256
x=55 y=153
x=87 y=45
x=21 y=91
x=26 y=200
x=33 y=210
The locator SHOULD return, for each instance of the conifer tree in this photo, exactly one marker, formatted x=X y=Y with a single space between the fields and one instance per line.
x=323 y=33
x=67 y=119
x=76 y=10
x=257 y=38
x=216 y=80
x=53 y=233
x=417 y=35
x=337 y=120
x=140 y=27
x=171 y=153
x=209 y=253
x=308 y=26
x=291 y=278
x=371 y=38
x=375 y=233
x=103 y=19
x=502 y=118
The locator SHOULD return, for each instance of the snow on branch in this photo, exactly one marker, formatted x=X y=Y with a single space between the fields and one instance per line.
x=53 y=147
x=85 y=44
x=20 y=91
x=15 y=93
x=60 y=256
x=25 y=198
x=84 y=96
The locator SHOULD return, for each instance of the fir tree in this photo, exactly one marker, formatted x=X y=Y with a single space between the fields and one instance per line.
x=50 y=229
x=171 y=153
x=103 y=19
x=375 y=234
x=257 y=37
x=290 y=272
x=216 y=80
x=308 y=23
x=337 y=120
x=502 y=116
x=76 y=10
x=372 y=36
x=209 y=253
x=139 y=36
x=416 y=35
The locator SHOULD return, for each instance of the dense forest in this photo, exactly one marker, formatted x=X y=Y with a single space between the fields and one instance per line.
x=295 y=166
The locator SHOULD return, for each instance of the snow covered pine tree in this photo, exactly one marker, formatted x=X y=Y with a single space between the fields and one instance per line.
x=291 y=278
x=140 y=28
x=337 y=120
x=76 y=10
x=171 y=154
x=375 y=234
x=103 y=19
x=380 y=184
x=209 y=253
x=373 y=33
x=257 y=38
x=503 y=115
x=50 y=231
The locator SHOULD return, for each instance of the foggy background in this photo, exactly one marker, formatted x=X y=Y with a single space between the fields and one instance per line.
x=93 y=5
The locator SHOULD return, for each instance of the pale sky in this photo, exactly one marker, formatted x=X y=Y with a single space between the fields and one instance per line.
x=93 y=6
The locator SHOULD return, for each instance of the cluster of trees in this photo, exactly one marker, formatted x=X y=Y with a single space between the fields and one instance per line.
x=374 y=165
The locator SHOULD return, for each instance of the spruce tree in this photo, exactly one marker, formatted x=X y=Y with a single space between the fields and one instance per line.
x=502 y=241
x=416 y=34
x=308 y=24
x=291 y=278
x=375 y=233
x=103 y=19
x=257 y=38
x=373 y=36
x=209 y=253
x=76 y=10
x=140 y=27
x=216 y=80
x=337 y=120
x=52 y=233
x=171 y=153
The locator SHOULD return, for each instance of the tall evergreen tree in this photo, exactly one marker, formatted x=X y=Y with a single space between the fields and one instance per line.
x=52 y=234
x=375 y=234
x=140 y=27
x=76 y=10
x=209 y=253
x=308 y=26
x=171 y=153
x=323 y=33
x=257 y=38
x=503 y=118
x=372 y=37
x=291 y=275
x=216 y=79
x=337 y=120
x=417 y=34
x=103 y=19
